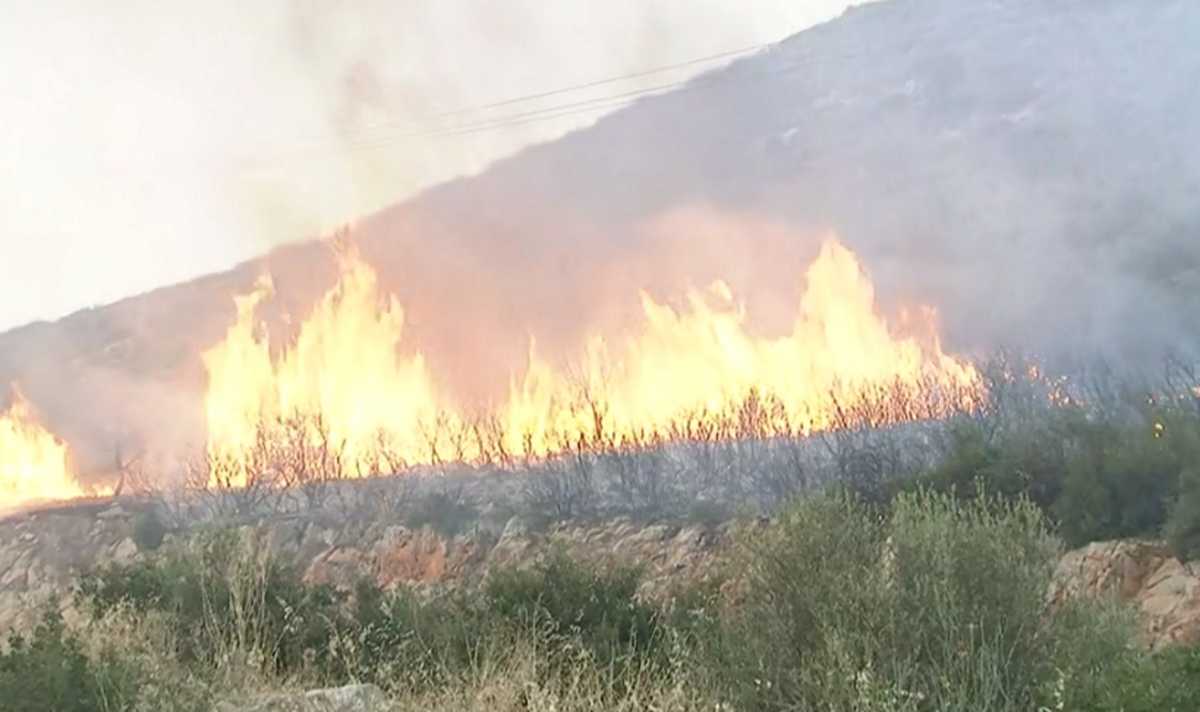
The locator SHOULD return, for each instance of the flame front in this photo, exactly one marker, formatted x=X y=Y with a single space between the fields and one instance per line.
x=703 y=362
x=676 y=366
x=34 y=466
x=343 y=368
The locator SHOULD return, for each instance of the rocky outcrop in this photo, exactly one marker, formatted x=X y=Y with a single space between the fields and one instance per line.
x=42 y=554
x=1145 y=574
x=396 y=555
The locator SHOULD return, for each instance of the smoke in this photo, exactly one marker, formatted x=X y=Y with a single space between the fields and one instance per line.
x=1030 y=170
x=148 y=143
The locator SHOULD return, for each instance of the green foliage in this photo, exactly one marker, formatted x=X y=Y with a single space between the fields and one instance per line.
x=932 y=603
x=596 y=607
x=935 y=605
x=48 y=671
x=401 y=641
x=710 y=513
x=1119 y=482
x=223 y=594
x=1168 y=681
x=1183 y=523
x=1027 y=463
x=1097 y=476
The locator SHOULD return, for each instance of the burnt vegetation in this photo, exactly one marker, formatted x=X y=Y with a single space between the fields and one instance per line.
x=1101 y=456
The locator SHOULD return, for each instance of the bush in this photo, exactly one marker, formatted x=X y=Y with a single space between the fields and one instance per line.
x=1024 y=464
x=932 y=603
x=1097 y=475
x=936 y=605
x=49 y=672
x=225 y=596
x=1183 y=523
x=572 y=602
x=402 y=642
x=1168 y=681
x=1119 y=483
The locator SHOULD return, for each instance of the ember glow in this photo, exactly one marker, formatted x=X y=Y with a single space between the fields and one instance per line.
x=34 y=466
x=677 y=366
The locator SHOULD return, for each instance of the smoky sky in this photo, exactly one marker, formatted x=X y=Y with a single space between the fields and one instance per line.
x=144 y=143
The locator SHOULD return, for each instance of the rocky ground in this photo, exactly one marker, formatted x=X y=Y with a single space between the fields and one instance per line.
x=43 y=552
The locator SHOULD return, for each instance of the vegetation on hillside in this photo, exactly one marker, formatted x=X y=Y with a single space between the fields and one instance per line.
x=929 y=603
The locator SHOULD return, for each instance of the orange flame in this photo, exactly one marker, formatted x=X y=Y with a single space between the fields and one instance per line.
x=34 y=466
x=343 y=368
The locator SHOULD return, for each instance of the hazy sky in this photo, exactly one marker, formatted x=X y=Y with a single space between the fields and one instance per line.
x=145 y=142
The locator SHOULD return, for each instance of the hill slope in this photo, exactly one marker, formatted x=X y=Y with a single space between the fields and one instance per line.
x=1029 y=168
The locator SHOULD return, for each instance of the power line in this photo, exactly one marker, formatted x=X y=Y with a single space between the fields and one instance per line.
x=610 y=80
x=589 y=105
x=364 y=139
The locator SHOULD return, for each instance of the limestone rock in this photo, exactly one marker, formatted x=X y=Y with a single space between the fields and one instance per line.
x=1144 y=574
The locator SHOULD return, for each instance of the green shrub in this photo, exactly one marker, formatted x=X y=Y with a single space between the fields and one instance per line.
x=1183 y=523
x=48 y=671
x=1167 y=681
x=967 y=593
x=224 y=595
x=405 y=641
x=401 y=641
x=814 y=603
x=1022 y=463
x=1120 y=482
x=596 y=606
x=938 y=604
x=1098 y=475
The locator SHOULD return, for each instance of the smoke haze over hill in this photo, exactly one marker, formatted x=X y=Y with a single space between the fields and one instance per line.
x=1029 y=169
x=166 y=142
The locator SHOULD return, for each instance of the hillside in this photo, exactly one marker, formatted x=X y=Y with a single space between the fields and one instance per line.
x=1027 y=168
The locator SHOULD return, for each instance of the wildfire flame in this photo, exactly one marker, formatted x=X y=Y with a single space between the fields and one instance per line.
x=343 y=370
x=34 y=466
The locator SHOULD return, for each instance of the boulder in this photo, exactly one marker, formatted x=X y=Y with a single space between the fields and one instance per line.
x=1144 y=574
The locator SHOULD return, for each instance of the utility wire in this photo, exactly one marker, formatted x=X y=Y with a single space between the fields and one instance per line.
x=475 y=125
x=590 y=105
x=610 y=80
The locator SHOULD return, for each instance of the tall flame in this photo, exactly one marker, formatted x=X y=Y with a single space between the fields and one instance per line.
x=343 y=368
x=704 y=360
x=34 y=466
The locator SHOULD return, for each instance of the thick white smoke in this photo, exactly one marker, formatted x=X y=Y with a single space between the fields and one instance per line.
x=145 y=142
